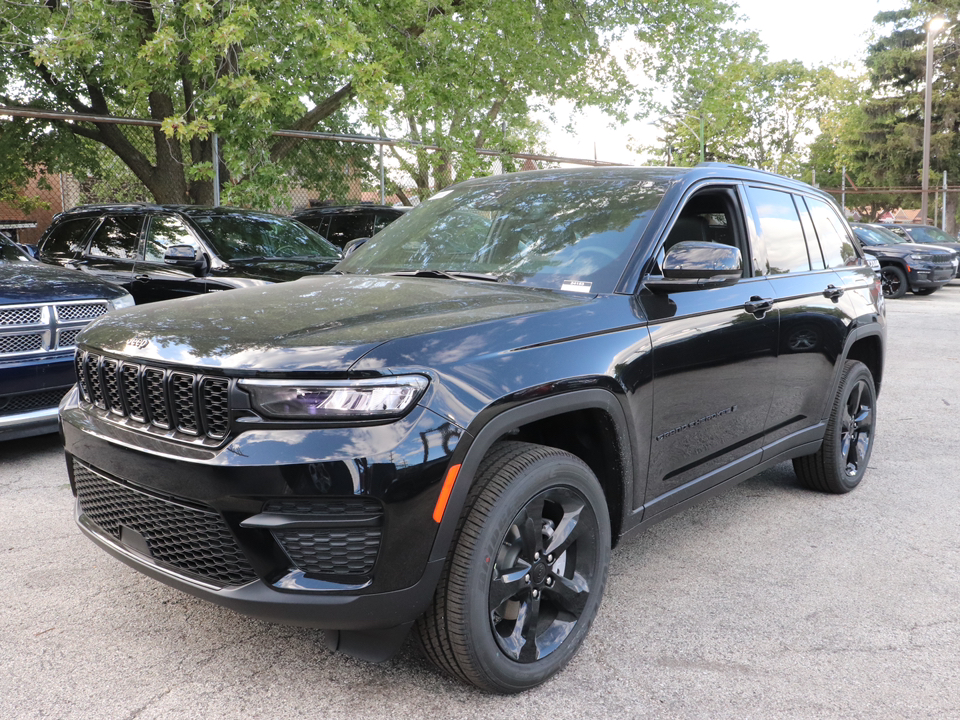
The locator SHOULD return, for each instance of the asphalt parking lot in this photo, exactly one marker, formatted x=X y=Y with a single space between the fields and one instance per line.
x=768 y=602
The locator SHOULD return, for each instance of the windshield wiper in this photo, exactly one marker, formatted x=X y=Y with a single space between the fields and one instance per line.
x=447 y=274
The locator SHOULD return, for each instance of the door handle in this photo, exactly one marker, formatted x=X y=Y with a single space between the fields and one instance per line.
x=833 y=292
x=758 y=305
x=141 y=278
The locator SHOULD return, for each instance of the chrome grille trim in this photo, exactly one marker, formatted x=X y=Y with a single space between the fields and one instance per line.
x=179 y=404
x=40 y=328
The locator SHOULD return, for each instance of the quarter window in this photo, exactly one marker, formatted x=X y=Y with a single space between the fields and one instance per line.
x=778 y=225
x=117 y=237
x=66 y=240
x=838 y=250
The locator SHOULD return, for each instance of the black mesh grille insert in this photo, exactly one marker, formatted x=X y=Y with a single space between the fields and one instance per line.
x=155 y=397
x=181 y=391
x=129 y=381
x=83 y=311
x=20 y=316
x=338 y=551
x=215 y=407
x=13 y=404
x=111 y=386
x=93 y=377
x=27 y=342
x=191 y=540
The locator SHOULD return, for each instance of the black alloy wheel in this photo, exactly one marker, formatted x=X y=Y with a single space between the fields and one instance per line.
x=841 y=462
x=893 y=281
x=525 y=576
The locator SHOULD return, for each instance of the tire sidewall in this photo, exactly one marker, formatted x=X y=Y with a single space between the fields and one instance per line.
x=544 y=474
x=857 y=373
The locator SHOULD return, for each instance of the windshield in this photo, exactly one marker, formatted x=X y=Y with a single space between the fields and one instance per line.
x=930 y=235
x=573 y=232
x=9 y=252
x=259 y=236
x=876 y=236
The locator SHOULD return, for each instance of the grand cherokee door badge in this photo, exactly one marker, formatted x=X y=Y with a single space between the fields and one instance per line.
x=687 y=426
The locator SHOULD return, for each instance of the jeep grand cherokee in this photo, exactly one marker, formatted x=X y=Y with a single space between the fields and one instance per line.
x=451 y=433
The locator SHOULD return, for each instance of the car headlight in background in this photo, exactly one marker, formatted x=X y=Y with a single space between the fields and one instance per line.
x=917 y=257
x=335 y=399
x=124 y=301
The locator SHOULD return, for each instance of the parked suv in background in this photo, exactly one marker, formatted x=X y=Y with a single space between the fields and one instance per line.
x=452 y=431
x=922 y=269
x=41 y=311
x=926 y=234
x=162 y=252
x=342 y=223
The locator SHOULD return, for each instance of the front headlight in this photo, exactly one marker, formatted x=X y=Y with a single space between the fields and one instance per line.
x=917 y=257
x=335 y=399
x=124 y=301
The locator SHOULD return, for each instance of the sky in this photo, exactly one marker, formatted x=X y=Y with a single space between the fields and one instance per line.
x=814 y=32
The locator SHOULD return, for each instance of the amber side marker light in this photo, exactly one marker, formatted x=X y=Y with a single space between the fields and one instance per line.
x=445 y=493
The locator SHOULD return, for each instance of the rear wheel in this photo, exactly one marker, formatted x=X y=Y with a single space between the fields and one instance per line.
x=840 y=463
x=893 y=281
x=524 y=578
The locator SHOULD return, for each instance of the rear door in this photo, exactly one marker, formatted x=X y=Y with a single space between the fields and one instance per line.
x=113 y=249
x=714 y=360
x=813 y=319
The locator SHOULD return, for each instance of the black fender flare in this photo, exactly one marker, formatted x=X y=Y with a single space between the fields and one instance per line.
x=855 y=335
x=469 y=455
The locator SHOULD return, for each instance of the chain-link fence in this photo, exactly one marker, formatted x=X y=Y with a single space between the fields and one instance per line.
x=316 y=169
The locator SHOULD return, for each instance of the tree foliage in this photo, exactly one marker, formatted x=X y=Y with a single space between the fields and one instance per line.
x=458 y=74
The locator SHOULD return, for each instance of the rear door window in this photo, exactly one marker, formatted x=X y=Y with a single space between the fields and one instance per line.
x=837 y=246
x=118 y=237
x=66 y=239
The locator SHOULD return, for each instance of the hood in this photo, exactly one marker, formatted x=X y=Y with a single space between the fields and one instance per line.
x=276 y=270
x=33 y=282
x=904 y=249
x=321 y=323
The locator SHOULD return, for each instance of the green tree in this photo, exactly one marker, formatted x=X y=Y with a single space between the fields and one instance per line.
x=458 y=74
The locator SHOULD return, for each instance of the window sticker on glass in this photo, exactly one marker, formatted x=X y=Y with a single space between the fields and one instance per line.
x=576 y=286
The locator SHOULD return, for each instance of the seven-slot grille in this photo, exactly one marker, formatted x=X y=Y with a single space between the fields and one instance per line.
x=942 y=259
x=192 y=404
x=189 y=539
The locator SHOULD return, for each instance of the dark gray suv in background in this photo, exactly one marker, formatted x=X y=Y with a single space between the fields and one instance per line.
x=450 y=434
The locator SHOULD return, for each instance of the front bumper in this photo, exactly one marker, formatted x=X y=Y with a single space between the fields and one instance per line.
x=253 y=525
x=929 y=275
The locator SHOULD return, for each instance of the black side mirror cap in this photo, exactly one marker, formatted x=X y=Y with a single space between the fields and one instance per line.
x=694 y=264
x=186 y=256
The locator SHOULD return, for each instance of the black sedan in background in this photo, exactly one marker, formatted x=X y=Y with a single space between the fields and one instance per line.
x=342 y=223
x=162 y=252
x=42 y=309
x=922 y=269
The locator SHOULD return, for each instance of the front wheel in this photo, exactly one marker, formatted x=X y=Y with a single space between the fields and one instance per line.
x=893 y=281
x=524 y=578
x=840 y=463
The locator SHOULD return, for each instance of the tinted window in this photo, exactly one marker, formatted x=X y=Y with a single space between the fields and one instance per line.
x=344 y=228
x=837 y=247
x=382 y=221
x=117 y=237
x=813 y=247
x=10 y=252
x=778 y=225
x=932 y=235
x=166 y=230
x=66 y=239
x=248 y=236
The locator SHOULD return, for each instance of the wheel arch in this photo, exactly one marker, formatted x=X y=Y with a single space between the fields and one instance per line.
x=867 y=347
x=559 y=421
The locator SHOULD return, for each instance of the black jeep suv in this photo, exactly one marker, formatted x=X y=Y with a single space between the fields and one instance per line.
x=922 y=269
x=163 y=252
x=452 y=432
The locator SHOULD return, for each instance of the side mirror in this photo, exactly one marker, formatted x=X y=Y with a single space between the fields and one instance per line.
x=697 y=265
x=351 y=247
x=185 y=256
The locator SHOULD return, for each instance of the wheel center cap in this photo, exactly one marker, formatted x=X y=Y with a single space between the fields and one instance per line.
x=539 y=573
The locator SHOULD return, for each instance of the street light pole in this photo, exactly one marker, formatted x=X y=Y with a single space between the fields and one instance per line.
x=933 y=27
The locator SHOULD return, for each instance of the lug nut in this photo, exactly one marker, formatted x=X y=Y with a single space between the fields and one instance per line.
x=536 y=556
x=549 y=581
x=526 y=578
x=536 y=593
x=549 y=558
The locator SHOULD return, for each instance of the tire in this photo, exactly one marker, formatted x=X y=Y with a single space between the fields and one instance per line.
x=925 y=291
x=500 y=571
x=893 y=281
x=840 y=463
